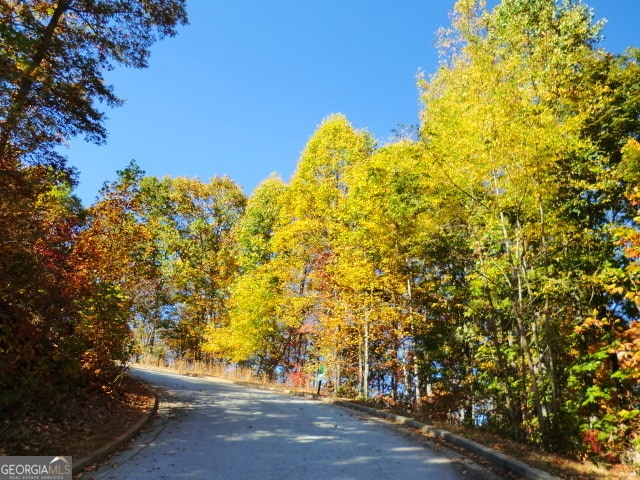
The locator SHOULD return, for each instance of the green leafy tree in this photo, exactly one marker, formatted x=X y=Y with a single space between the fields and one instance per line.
x=509 y=121
x=257 y=226
x=199 y=262
x=53 y=55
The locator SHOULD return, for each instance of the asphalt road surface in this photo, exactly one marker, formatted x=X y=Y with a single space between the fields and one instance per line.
x=213 y=429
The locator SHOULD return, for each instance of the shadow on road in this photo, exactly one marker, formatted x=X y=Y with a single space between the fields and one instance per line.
x=210 y=429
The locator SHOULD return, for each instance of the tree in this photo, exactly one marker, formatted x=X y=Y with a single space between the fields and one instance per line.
x=164 y=249
x=192 y=224
x=257 y=226
x=612 y=359
x=369 y=270
x=111 y=257
x=39 y=219
x=53 y=55
x=509 y=120
x=304 y=242
x=257 y=333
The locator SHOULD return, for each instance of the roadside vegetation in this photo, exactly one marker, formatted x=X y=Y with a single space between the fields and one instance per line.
x=479 y=271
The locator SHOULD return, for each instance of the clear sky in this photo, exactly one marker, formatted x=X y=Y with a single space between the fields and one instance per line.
x=241 y=88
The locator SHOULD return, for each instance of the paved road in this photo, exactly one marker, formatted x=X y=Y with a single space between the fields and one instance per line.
x=212 y=429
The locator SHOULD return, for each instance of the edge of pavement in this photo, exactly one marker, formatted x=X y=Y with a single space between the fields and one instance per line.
x=500 y=460
x=497 y=459
x=107 y=449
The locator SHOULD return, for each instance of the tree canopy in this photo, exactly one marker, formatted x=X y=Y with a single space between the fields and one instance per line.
x=64 y=317
x=53 y=58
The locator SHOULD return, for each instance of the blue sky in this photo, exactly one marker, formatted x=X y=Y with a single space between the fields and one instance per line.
x=241 y=88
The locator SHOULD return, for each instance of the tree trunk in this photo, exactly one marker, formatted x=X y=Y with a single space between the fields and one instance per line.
x=19 y=102
x=365 y=372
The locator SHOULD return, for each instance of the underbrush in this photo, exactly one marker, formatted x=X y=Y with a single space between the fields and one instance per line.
x=558 y=465
x=76 y=424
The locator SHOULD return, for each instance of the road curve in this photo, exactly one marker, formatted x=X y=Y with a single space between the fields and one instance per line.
x=212 y=429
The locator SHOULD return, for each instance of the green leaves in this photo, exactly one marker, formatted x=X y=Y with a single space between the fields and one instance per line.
x=509 y=123
x=167 y=244
x=257 y=226
x=53 y=59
